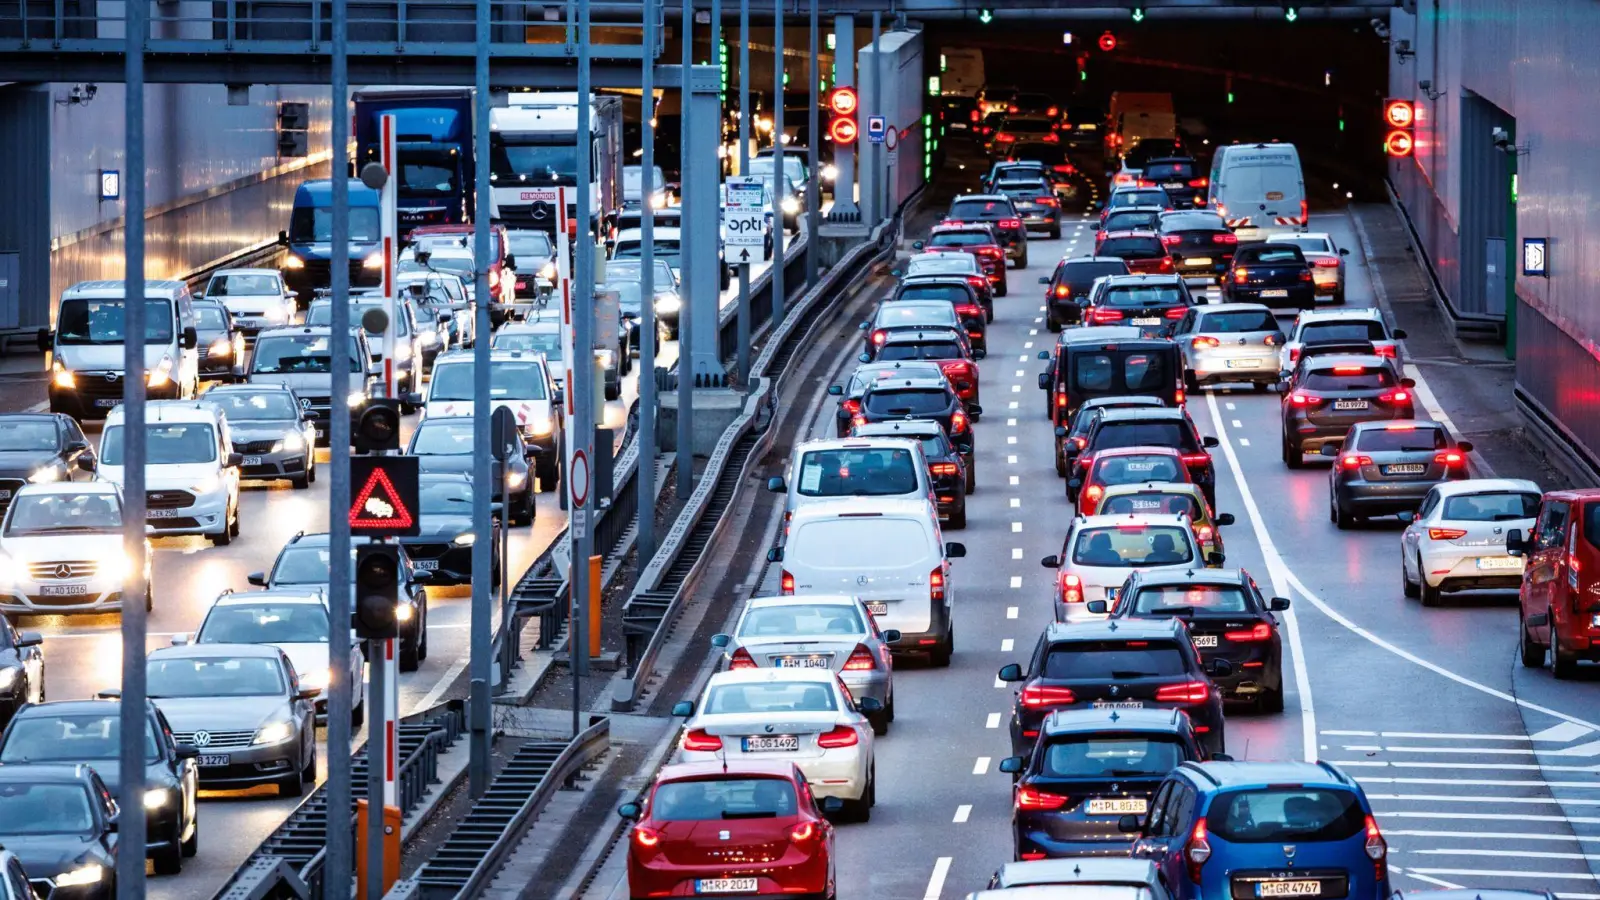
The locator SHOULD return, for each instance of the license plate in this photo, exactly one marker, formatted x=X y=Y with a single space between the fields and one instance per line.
x=1352 y=404
x=765 y=743
x=802 y=662
x=1173 y=186
x=1282 y=293
x=1288 y=888
x=878 y=607
x=1119 y=704
x=1499 y=562
x=1147 y=321
x=321 y=432
x=1205 y=640
x=213 y=760
x=1244 y=363
x=725 y=885
x=252 y=460
x=161 y=514
x=64 y=590
x=108 y=402
x=1198 y=261
x=1405 y=469
x=425 y=565
x=1118 y=806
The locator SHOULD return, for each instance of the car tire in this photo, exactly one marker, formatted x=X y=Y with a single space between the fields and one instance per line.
x=169 y=860
x=1430 y=595
x=1002 y=290
x=224 y=537
x=1338 y=297
x=191 y=847
x=988 y=314
x=889 y=707
x=1055 y=233
x=300 y=482
x=1191 y=383
x=358 y=714
x=958 y=515
x=292 y=785
x=1562 y=665
x=1341 y=519
x=149 y=605
x=1051 y=323
x=1531 y=654
x=972 y=475
x=233 y=524
x=1271 y=700
x=613 y=391
x=941 y=653
x=408 y=654
x=1022 y=262
x=1293 y=457
x=879 y=722
x=1407 y=587
x=1259 y=387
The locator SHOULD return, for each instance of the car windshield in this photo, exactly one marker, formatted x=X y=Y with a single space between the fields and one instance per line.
x=1131 y=221
x=265 y=623
x=69 y=737
x=1113 y=660
x=44 y=513
x=858 y=543
x=322 y=314
x=624 y=270
x=1169 y=599
x=769 y=697
x=1142 y=434
x=214 y=676
x=942 y=264
x=1591 y=524
x=210 y=318
x=868 y=374
x=633 y=180
x=304 y=565
x=1150 y=148
x=1236 y=322
x=901 y=313
x=948 y=349
x=1497 y=506
x=244 y=285
x=29 y=434
x=83 y=320
x=443 y=437
x=1134 y=468
x=1206 y=223
x=314 y=225
x=1400 y=438
x=907 y=402
x=546 y=342
x=1292 y=815
x=529 y=245
x=299 y=354
x=1139 y=198
x=1151 y=503
x=178 y=443
x=1349 y=378
x=1103 y=757
x=1118 y=546
x=1023 y=188
x=857 y=471
x=1358 y=330
x=723 y=798
x=255 y=406
x=428 y=172
x=449 y=263
x=508 y=378
x=960 y=239
x=44 y=808
x=448 y=498
x=802 y=619
x=982 y=210
x=1141 y=295
x=1132 y=247
x=1141 y=372
x=517 y=160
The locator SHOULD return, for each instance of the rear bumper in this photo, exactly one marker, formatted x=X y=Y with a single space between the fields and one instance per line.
x=1377 y=497
x=1456 y=568
x=1298 y=295
x=1034 y=839
x=924 y=641
x=1235 y=366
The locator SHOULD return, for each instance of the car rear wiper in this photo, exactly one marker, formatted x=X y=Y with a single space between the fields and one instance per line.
x=1506 y=517
x=756 y=814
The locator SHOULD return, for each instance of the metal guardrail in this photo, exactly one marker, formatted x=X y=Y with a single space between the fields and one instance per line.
x=464 y=865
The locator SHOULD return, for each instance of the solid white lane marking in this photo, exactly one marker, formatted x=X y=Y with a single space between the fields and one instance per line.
x=1452 y=766
x=39 y=407
x=998 y=683
x=941 y=870
x=1016 y=527
x=1336 y=733
x=1011 y=460
x=981 y=766
x=1452 y=798
x=1016 y=581
x=993 y=721
x=1492 y=835
x=1486 y=782
x=1007 y=645
x=1507 y=751
x=1502 y=873
x=1455 y=815
x=432 y=698
x=962 y=812
x=1458 y=736
x=1016 y=502
x=1016 y=552
x=1015 y=480
x=1011 y=612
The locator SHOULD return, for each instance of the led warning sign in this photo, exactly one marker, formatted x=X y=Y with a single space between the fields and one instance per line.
x=386 y=503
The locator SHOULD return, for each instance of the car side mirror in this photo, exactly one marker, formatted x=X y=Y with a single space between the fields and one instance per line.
x=1215 y=560
x=720 y=640
x=191 y=338
x=1011 y=765
x=1129 y=825
x=421 y=576
x=1408 y=517
x=775 y=554
x=283 y=237
x=1464 y=446
x=863 y=326
x=30 y=639
x=1515 y=543
x=1209 y=442
x=1398 y=334
x=76 y=446
x=775 y=484
x=87 y=463
x=308 y=693
x=1220 y=757
x=865 y=357
x=683 y=709
x=1061 y=431
x=869 y=706
x=1010 y=672
x=1225 y=519
x=1044 y=279
x=1074 y=483
x=1278 y=604
x=896 y=272
x=630 y=811
x=234 y=460
x=1408 y=382
x=891 y=635
x=180 y=640
x=980 y=353
x=954 y=550
x=1219 y=668
x=836 y=390
x=1098 y=607
x=1328 y=450
x=558 y=395
x=974 y=410
x=1043 y=354
x=1539 y=620
x=259 y=579
x=1051 y=562
x=187 y=751
x=831 y=806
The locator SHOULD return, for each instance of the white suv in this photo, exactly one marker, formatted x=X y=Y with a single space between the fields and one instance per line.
x=1100 y=552
x=61 y=550
x=1365 y=323
x=191 y=471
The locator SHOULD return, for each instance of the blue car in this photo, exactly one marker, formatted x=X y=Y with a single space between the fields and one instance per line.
x=1262 y=830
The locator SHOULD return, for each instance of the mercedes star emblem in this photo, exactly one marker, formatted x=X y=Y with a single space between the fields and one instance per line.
x=63 y=571
x=202 y=738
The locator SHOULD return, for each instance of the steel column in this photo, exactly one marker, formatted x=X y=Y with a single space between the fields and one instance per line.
x=744 y=169
x=480 y=638
x=813 y=144
x=686 y=317
x=646 y=379
x=579 y=480
x=779 y=182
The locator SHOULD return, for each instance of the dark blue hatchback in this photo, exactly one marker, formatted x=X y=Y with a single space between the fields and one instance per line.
x=1259 y=831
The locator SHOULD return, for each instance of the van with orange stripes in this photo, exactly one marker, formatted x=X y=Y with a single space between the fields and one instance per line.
x=1259 y=190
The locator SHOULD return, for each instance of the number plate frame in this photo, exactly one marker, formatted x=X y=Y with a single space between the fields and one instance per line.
x=1205 y=641
x=1354 y=405
x=1405 y=469
x=74 y=589
x=1499 y=563
x=213 y=760
x=425 y=565
x=161 y=514
x=1143 y=322
x=1289 y=888
x=1118 y=806
x=726 y=885
x=877 y=608
x=252 y=460
x=1118 y=704
x=1244 y=363
x=779 y=743
x=803 y=661
x=1275 y=293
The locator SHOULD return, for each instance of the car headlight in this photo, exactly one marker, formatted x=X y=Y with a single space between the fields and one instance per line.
x=402 y=352
x=540 y=426
x=276 y=314
x=429 y=338
x=207 y=484
x=606 y=357
x=63 y=376
x=548 y=272
x=9 y=569
x=316 y=678
x=668 y=303
x=514 y=479
x=274 y=733
x=45 y=475
x=658 y=200
x=293 y=262
x=155 y=798
x=291 y=442
x=89 y=874
x=791 y=205
x=221 y=347
x=8 y=677
x=465 y=539
x=356 y=398
x=161 y=374
x=114 y=566
x=403 y=612
x=375 y=261
x=830 y=172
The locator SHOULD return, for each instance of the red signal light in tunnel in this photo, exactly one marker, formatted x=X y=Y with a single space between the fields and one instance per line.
x=1399 y=114
x=1108 y=42
x=842 y=131
x=843 y=101
x=843 y=105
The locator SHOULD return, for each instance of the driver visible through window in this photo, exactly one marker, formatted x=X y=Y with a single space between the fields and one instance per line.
x=861 y=472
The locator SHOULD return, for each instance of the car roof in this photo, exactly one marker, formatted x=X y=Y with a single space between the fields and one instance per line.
x=495 y=355
x=535 y=326
x=1248 y=774
x=280 y=595
x=1137 y=278
x=1104 y=334
x=849 y=443
x=1145 y=487
x=1088 y=721
x=768 y=675
x=1196 y=575
x=909 y=336
x=670 y=232
x=210 y=651
x=1113 y=520
x=1286 y=238
x=1072 y=260
x=28 y=417
x=176 y=411
x=734 y=767
x=1114 y=630
x=1350 y=312
x=72 y=487
x=1138 y=450
x=1400 y=425
x=994 y=197
x=96 y=706
x=242 y=386
x=801 y=600
x=1207 y=309
x=1134 y=209
x=918 y=427
x=1123 y=401
x=244 y=272
x=1484 y=485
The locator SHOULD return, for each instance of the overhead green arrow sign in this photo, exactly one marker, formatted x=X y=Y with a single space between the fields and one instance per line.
x=985 y=16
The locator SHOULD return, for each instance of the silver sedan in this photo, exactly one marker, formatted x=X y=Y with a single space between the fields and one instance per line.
x=817 y=631
x=1226 y=342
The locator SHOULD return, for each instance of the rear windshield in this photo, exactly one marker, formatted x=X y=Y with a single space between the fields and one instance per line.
x=866 y=471
x=801 y=619
x=1132 y=221
x=1023 y=188
x=1113 y=660
x=1367 y=330
x=1132 y=545
x=1311 y=244
x=1499 y=507
x=724 y=798
x=960 y=239
x=892 y=315
x=1194 y=222
x=953 y=292
x=1111 y=756
x=1139 y=198
x=1272 y=256
x=1132 y=248
x=1151 y=503
x=1393 y=439
x=1157 y=171
x=1080 y=276
x=1135 y=468
x=907 y=402
x=981 y=209
x=1237 y=322
x=1285 y=815
x=1364 y=378
x=1144 y=434
x=858 y=543
x=921 y=350
x=1140 y=295
x=1144 y=373
x=769 y=697
x=940 y=263
x=1027 y=126
x=1170 y=599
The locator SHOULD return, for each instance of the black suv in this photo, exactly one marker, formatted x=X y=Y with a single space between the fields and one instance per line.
x=995 y=210
x=44 y=445
x=925 y=398
x=1144 y=427
x=1077 y=434
x=947 y=471
x=1067 y=288
x=849 y=392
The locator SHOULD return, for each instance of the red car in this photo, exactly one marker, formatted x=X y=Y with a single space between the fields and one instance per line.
x=740 y=827
x=1560 y=594
x=977 y=239
x=502 y=279
x=1124 y=465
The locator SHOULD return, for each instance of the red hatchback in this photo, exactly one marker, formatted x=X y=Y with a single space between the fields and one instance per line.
x=744 y=827
x=977 y=239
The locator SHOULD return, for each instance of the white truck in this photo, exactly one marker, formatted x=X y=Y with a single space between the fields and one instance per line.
x=533 y=151
x=1136 y=117
x=963 y=71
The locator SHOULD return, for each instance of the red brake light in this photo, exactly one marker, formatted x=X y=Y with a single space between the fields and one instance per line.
x=1301 y=398
x=838 y=736
x=1177 y=311
x=803 y=832
x=1103 y=314
x=969 y=309
x=1204 y=341
x=1029 y=798
x=879 y=336
x=1061 y=401
x=1227 y=238
x=1144 y=183
x=1305 y=274
x=1093 y=493
x=1240 y=275
x=647 y=837
x=1052 y=112
x=698 y=740
x=852 y=406
x=1199 y=182
x=1171 y=240
x=1045 y=201
x=1304 y=212
x=788 y=579
x=1012 y=109
x=1198 y=850
x=977 y=280
x=1010 y=223
x=1325 y=262
x=1384 y=350
x=1377 y=850
x=1195 y=459
x=1038 y=696
x=958 y=422
x=994 y=252
x=975 y=117
x=1063 y=291
x=1202 y=532
x=1179 y=396
x=1262 y=632
x=741 y=658
x=948 y=468
x=1189 y=692
x=860 y=660
x=1446 y=534
x=1071 y=588
x=1353 y=461
x=1348 y=370
x=1294 y=355
x=1450 y=458
x=1051 y=138
x=1004 y=138
x=936 y=585
x=1396 y=396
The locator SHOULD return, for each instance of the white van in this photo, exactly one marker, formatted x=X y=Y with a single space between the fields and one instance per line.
x=191 y=471
x=888 y=552
x=1259 y=190
x=87 y=346
x=875 y=467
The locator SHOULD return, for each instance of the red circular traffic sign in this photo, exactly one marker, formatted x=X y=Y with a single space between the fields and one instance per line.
x=578 y=478
x=891 y=138
x=842 y=131
x=1108 y=42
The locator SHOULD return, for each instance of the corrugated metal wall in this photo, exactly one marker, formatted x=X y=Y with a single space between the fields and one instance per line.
x=902 y=106
x=25 y=200
x=1486 y=192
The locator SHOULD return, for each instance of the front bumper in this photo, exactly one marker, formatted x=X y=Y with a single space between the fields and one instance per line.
x=270 y=466
x=1298 y=295
x=449 y=563
x=96 y=395
x=250 y=766
x=26 y=596
x=207 y=514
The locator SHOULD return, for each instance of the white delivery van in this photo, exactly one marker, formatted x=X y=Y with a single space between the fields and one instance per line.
x=87 y=346
x=1258 y=189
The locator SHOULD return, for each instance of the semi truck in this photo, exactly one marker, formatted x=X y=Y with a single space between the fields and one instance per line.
x=533 y=151
x=433 y=134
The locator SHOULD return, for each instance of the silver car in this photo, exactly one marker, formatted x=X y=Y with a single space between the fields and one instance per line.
x=1226 y=342
x=817 y=631
x=245 y=710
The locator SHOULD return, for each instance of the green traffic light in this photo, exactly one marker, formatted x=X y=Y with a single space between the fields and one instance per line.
x=1230 y=96
x=1082 y=75
x=1291 y=14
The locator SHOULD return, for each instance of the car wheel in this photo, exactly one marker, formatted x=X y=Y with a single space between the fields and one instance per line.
x=224 y=537
x=1293 y=457
x=1191 y=383
x=233 y=524
x=613 y=391
x=988 y=314
x=169 y=860
x=942 y=652
x=149 y=604
x=890 y=709
x=1341 y=519
x=300 y=482
x=1271 y=699
x=1532 y=654
x=530 y=510
x=972 y=475
x=408 y=654
x=958 y=515
x=191 y=847
x=1051 y=323
x=1431 y=596
x=292 y=785
x=1055 y=233
x=1259 y=387
x=879 y=722
x=308 y=775
x=311 y=466
x=1002 y=290
x=1338 y=297
x=1406 y=585
x=1562 y=665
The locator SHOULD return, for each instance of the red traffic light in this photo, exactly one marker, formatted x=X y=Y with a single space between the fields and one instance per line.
x=842 y=101
x=1399 y=143
x=1108 y=42
x=1399 y=113
x=842 y=131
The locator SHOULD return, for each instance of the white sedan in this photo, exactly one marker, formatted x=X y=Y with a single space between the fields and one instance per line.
x=1326 y=259
x=1457 y=542
x=804 y=716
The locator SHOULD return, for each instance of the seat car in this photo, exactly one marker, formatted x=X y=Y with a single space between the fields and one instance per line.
x=40 y=448
x=820 y=470
x=1328 y=394
x=1556 y=612
x=777 y=838
x=256 y=298
x=1115 y=667
x=1121 y=466
x=443 y=546
x=1355 y=324
x=1229 y=342
x=1067 y=289
x=925 y=398
x=1151 y=303
x=1277 y=275
x=1086 y=769
x=849 y=392
x=1326 y=259
x=60 y=822
x=833 y=632
x=947 y=472
x=1179 y=176
x=1228 y=618
x=1457 y=540
x=1232 y=829
x=1384 y=468
x=61 y=550
x=273 y=434
x=1100 y=552
x=191 y=470
x=1149 y=498
x=1138 y=874
x=998 y=211
x=86 y=734
x=518 y=381
x=802 y=715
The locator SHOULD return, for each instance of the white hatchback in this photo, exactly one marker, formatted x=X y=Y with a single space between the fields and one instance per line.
x=191 y=472
x=1457 y=542
x=1100 y=552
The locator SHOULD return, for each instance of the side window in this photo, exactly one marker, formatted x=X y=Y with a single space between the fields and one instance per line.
x=1179 y=821
x=1186 y=324
x=1037 y=664
x=1428 y=503
x=1154 y=824
x=1552 y=524
x=20 y=889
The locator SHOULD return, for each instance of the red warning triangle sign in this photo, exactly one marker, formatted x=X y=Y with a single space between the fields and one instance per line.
x=378 y=505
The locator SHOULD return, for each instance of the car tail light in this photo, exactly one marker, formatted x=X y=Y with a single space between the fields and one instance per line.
x=803 y=832
x=948 y=468
x=852 y=406
x=1103 y=314
x=838 y=736
x=991 y=252
x=1061 y=400
x=1261 y=632
x=1204 y=341
x=1051 y=138
x=1325 y=262
x=1294 y=355
x=1305 y=274
x=1071 y=588
x=936 y=585
x=1122 y=180
x=860 y=660
x=1177 y=311
x=1377 y=850
x=1202 y=532
x=1165 y=264
x=1171 y=240
x=977 y=280
x=1188 y=692
x=1384 y=350
x=958 y=422
x=1240 y=275
x=1301 y=398
x=1143 y=182
x=969 y=309
x=975 y=117
x=1195 y=459
x=646 y=837
x=1199 y=182
x=858 y=421
x=1045 y=201
x=1063 y=291
x=1395 y=396
x=1038 y=696
x=1004 y=138
x=1450 y=458
x=1228 y=238
x=1446 y=534
x=987 y=130
x=879 y=336
x=1304 y=214
x=741 y=658
x=699 y=741
x=1180 y=396
x=1010 y=223
x=1197 y=851
x=1352 y=461
x=1053 y=112
x=1012 y=109
x=787 y=581
x=1271 y=340
x=1029 y=798
x=1064 y=168
x=1093 y=493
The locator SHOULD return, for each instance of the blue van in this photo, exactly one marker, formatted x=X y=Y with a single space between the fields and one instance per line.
x=310 y=235
x=1262 y=830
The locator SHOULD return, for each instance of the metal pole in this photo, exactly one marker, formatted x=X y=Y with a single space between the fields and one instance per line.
x=480 y=640
x=646 y=378
x=844 y=156
x=130 y=795
x=685 y=440
x=377 y=697
x=779 y=182
x=876 y=110
x=744 y=170
x=341 y=832
x=813 y=145
x=582 y=379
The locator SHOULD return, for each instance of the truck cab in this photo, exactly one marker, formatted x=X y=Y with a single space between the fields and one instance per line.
x=1560 y=594
x=433 y=137
x=306 y=265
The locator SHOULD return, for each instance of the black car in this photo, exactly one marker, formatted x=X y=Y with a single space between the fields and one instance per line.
x=1008 y=169
x=946 y=346
x=85 y=732
x=849 y=392
x=446 y=445
x=1151 y=303
x=1276 y=275
x=946 y=469
x=997 y=211
x=39 y=448
x=1180 y=177
x=1326 y=395
x=1384 y=468
x=1130 y=218
x=1110 y=361
x=271 y=430
x=444 y=546
x=1087 y=769
x=21 y=669
x=221 y=345
x=1228 y=618
x=924 y=397
x=960 y=113
x=956 y=290
x=1067 y=288
x=1200 y=244
x=904 y=315
x=303 y=563
x=1116 y=665
x=1077 y=433
x=61 y=823
x=1082 y=126
x=1144 y=427
x=941 y=264
x=1035 y=201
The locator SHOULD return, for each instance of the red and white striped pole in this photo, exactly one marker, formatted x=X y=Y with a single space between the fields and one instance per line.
x=388 y=202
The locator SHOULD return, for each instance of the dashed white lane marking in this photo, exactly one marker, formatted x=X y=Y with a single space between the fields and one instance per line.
x=1013 y=404
x=1012 y=460
x=941 y=870
x=998 y=683
x=993 y=721
x=1038 y=319
x=1007 y=645
x=981 y=766
x=1011 y=439
x=1033 y=331
x=1027 y=345
x=1561 y=733
x=1041 y=309
x=1016 y=581
x=1244 y=442
x=1019 y=372
x=1023 y=357
x=1011 y=612
x=1237 y=424
x=962 y=812
x=1016 y=502
x=1228 y=405
x=1016 y=527
x=1015 y=480
x=1016 y=552
x=1011 y=423
x=1016 y=389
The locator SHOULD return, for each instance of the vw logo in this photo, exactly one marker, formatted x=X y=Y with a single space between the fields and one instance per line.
x=203 y=739
x=305 y=402
x=63 y=571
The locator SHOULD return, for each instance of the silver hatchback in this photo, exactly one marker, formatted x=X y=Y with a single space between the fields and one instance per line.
x=817 y=631
x=1227 y=342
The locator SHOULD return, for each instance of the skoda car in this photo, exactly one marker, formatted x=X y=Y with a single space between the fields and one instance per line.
x=274 y=435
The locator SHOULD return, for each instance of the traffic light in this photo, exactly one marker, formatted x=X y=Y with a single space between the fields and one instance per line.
x=843 y=105
x=378 y=427
x=1108 y=41
x=377 y=591
x=985 y=16
x=1290 y=13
